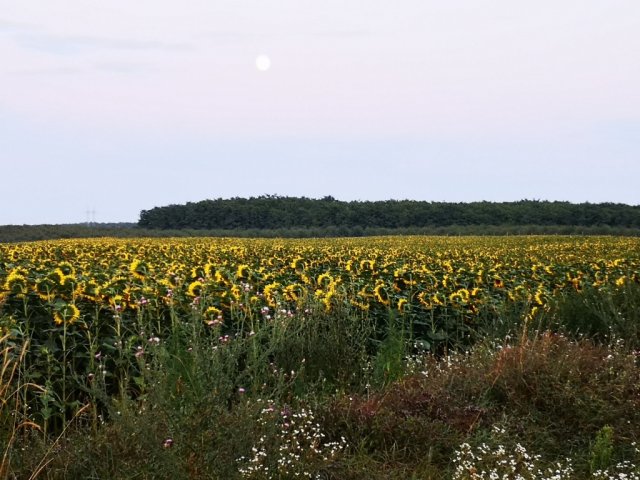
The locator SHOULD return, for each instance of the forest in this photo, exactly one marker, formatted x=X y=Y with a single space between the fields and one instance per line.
x=279 y=212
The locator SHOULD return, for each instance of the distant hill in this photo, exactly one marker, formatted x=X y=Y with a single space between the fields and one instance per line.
x=276 y=212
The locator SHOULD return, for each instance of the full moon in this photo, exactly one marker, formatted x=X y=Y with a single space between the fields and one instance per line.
x=263 y=63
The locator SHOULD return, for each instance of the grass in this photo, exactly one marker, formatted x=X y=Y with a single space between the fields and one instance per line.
x=312 y=394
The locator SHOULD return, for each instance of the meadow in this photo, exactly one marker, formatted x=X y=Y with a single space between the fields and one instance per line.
x=379 y=357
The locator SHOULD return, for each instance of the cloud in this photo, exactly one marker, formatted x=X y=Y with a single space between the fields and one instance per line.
x=124 y=68
x=72 y=44
x=246 y=36
x=54 y=70
x=34 y=37
x=11 y=26
x=344 y=33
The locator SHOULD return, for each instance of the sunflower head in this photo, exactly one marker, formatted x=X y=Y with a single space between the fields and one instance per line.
x=380 y=294
x=67 y=268
x=294 y=292
x=45 y=288
x=271 y=292
x=402 y=305
x=90 y=290
x=139 y=269
x=16 y=283
x=195 y=289
x=242 y=273
x=324 y=280
x=298 y=264
x=212 y=312
x=67 y=313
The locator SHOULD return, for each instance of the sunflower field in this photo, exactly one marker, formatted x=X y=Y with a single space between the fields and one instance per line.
x=82 y=322
x=106 y=294
x=75 y=284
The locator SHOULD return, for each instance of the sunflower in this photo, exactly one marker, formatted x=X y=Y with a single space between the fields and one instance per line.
x=213 y=316
x=402 y=305
x=533 y=313
x=539 y=296
x=368 y=265
x=198 y=272
x=324 y=279
x=16 y=283
x=360 y=305
x=222 y=278
x=67 y=269
x=350 y=266
x=461 y=297
x=195 y=288
x=209 y=270
x=437 y=299
x=328 y=299
x=212 y=312
x=423 y=298
x=68 y=314
x=242 y=272
x=117 y=302
x=236 y=292
x=298 y=264
x=45 y=288
x=380 y=294
x=90 y=290
x=139 y=269
x=270 y=292
x=293 y=292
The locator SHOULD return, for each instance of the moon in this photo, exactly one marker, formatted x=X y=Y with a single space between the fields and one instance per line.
x=263 y=63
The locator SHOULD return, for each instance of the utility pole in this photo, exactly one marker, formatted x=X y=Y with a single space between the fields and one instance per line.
x=91 y=217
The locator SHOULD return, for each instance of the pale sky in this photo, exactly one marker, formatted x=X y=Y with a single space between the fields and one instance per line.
x=118 y=106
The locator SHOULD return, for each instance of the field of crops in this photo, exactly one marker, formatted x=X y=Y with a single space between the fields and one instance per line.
x=182 y=325
x=99 y=294
x=77 y=282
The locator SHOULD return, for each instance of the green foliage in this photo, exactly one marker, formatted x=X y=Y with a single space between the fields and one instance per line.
x=602 y=450
x=604 y=315
x=389 y=361
x=274 y=212
x=25 y=233
x=195 y=401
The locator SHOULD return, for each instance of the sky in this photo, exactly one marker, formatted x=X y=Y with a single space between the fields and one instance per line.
x=111 y=107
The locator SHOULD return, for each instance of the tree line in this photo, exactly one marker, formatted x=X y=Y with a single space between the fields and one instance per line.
x=288 y=217
x=273 y=212
x=28 y=233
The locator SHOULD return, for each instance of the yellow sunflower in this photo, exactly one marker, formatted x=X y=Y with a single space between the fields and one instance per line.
x=380 y=294
x=16 y=283
x=402 y=305
x=242 y=273
x=139 y=269
x=68 y=314
x=195 y=289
